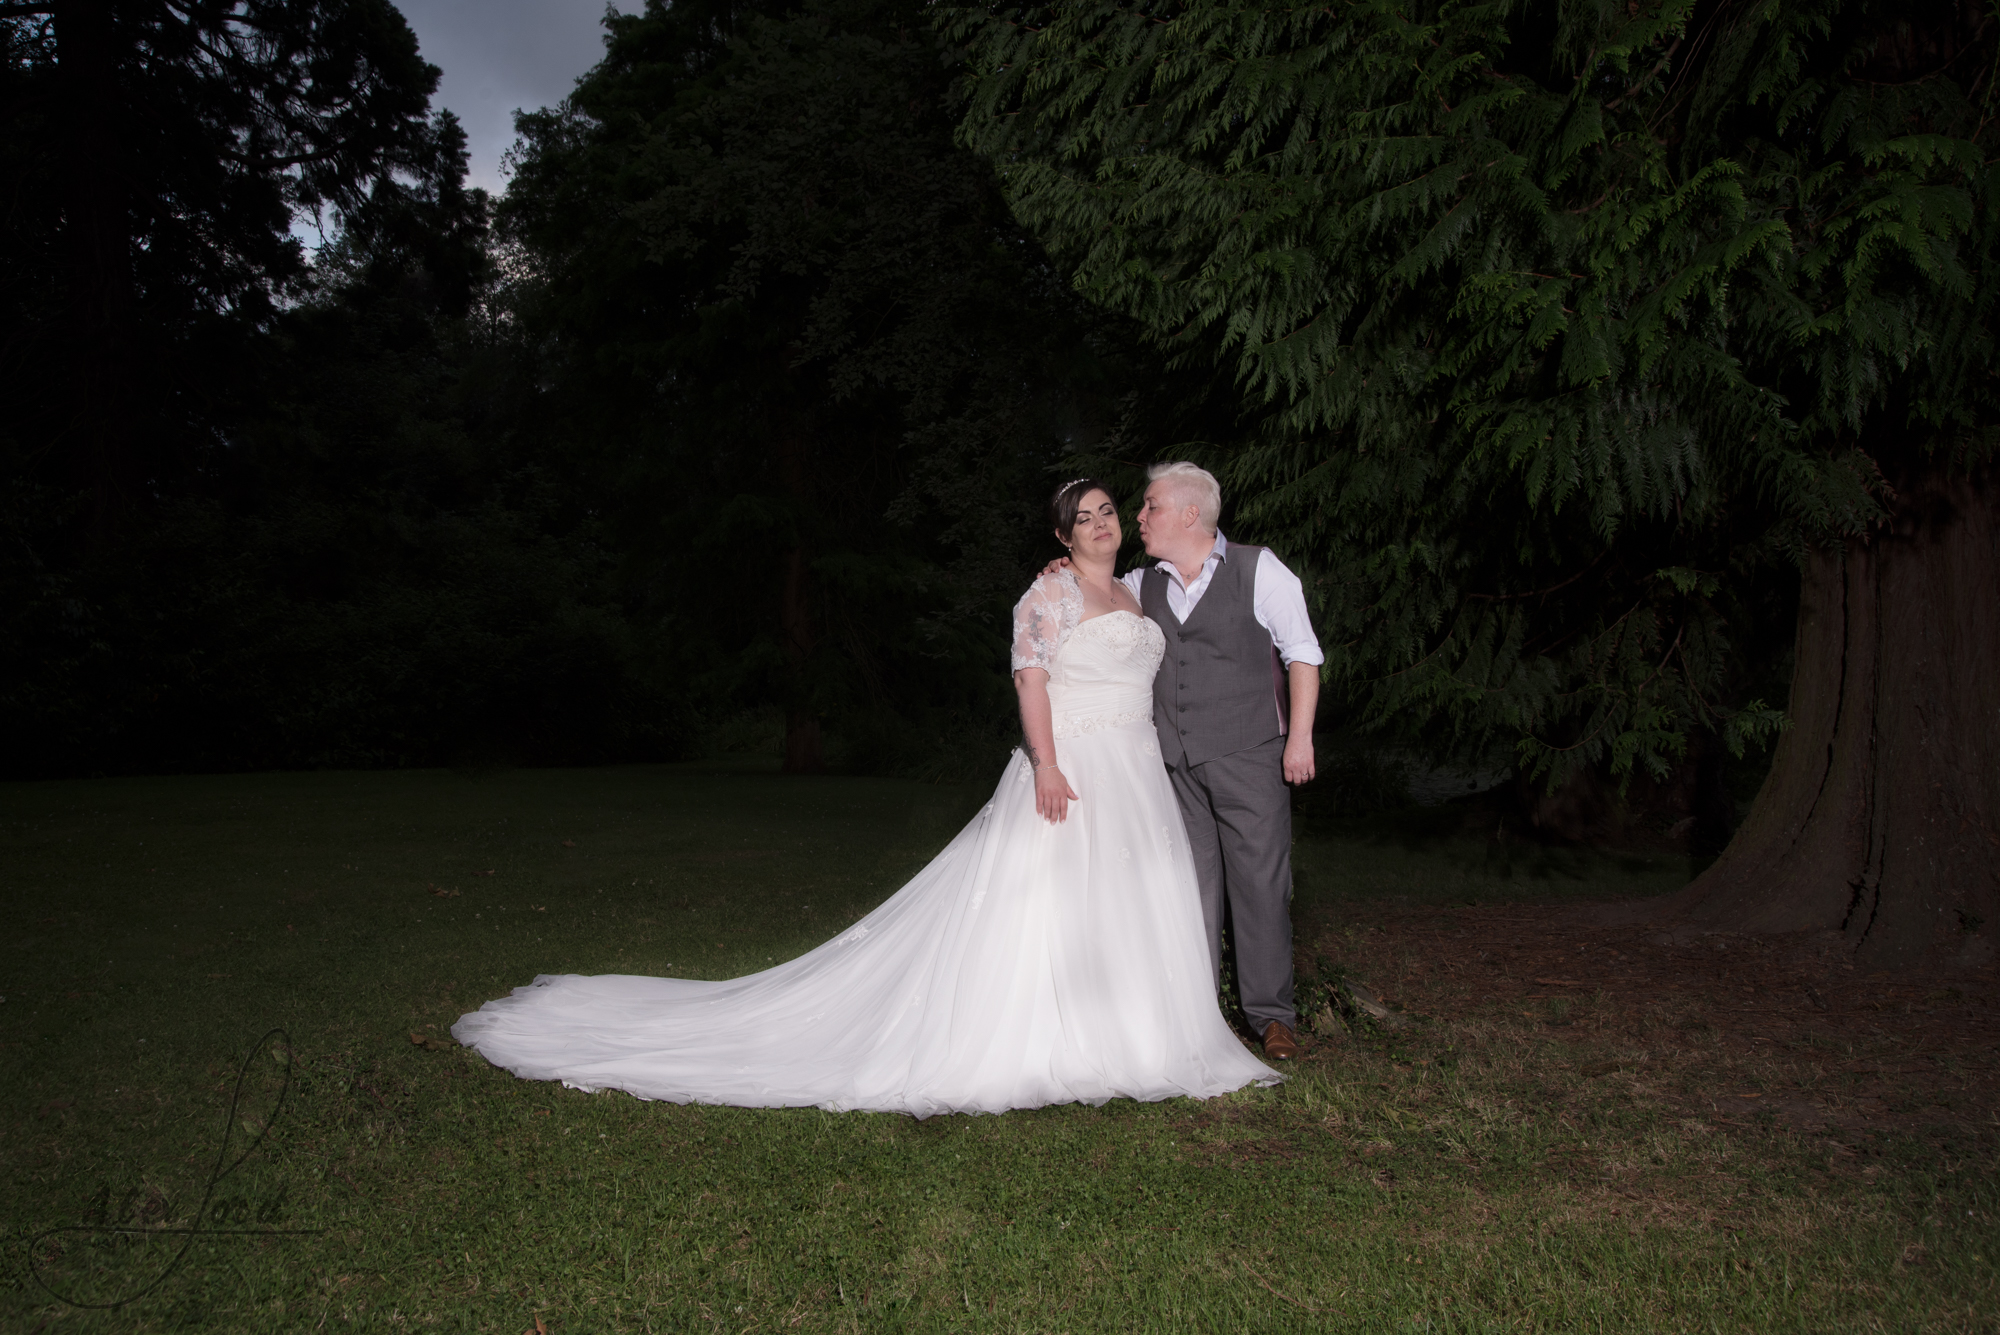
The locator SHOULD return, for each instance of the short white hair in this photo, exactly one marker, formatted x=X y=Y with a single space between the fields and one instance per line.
x=1195 y=486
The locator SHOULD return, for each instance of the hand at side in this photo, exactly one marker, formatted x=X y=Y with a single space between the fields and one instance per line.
x=1053 y=795
x=1038 y=742
x=1303 y=681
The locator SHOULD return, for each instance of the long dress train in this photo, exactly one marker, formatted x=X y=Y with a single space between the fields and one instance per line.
x=1029 y=963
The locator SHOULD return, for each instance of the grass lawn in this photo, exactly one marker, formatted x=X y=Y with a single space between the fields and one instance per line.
x=1422 y=1181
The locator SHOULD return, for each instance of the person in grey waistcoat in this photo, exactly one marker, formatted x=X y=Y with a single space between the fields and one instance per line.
x=1233 y=704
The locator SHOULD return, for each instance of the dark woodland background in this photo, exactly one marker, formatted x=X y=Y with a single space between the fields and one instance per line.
x=1619 y=379
x=745 y=397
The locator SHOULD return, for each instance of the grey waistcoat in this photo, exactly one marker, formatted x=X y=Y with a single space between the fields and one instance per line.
x=1218 y=690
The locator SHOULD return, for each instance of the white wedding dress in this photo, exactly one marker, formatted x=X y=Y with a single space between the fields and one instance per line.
x=1030 y=963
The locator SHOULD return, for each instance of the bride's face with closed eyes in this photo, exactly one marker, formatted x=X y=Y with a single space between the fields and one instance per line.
x=1096 y=533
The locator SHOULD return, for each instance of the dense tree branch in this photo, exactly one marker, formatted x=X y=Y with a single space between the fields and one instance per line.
x=1539 y=593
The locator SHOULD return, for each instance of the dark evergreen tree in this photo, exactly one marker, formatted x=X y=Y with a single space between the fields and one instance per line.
x=261 y=511
x=795 y=327
x=169 y=145
x=1558 y=326
x=382 y=568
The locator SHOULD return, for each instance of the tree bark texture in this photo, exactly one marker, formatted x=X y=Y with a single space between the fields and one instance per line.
x=1881 y=815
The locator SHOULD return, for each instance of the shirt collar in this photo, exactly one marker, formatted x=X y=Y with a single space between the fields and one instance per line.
x=1220 y=553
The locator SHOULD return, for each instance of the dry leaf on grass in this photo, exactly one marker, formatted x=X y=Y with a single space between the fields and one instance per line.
x=1668 y=990
x=443 y=893
x=1279 y=1292
x=1377 y=1009
x=430 y=1044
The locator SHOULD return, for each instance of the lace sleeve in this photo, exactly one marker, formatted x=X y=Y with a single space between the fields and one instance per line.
x=1050 y=609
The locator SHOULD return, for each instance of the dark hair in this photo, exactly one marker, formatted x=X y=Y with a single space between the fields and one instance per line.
x=1069 y=499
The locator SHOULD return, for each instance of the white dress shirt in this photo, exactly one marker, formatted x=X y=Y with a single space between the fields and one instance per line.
x=1277 y=599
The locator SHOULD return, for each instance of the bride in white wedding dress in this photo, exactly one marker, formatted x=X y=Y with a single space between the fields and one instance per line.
x=1052 y=953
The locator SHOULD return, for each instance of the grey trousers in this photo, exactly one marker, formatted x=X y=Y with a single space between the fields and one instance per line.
x=1239 y=826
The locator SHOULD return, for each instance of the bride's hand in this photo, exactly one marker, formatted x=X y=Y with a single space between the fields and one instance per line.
x=1053 y=794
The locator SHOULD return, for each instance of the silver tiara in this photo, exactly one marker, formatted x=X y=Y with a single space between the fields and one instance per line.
x=1071 y=483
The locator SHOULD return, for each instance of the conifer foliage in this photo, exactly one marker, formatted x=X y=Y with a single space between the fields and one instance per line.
x=263 y=509
x=823 y=370
x=159 y=152
x=1557 y=325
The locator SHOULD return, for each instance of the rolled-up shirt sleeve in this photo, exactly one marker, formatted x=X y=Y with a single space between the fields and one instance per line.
x=1279 y=602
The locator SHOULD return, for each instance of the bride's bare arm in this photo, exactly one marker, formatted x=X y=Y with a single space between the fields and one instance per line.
x=1052 y=791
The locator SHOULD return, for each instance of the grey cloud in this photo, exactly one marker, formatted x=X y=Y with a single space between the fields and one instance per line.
x=498 y=55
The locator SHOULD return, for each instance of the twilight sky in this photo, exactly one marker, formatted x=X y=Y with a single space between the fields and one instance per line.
x=501 y=54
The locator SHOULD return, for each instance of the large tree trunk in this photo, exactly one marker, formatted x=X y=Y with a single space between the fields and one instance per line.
x=97 y=236
x=1881 y=815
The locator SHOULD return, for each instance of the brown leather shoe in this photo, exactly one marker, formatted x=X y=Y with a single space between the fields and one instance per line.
x=1280 y=1043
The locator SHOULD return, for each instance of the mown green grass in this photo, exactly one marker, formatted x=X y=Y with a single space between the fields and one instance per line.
x=1442 y=1182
